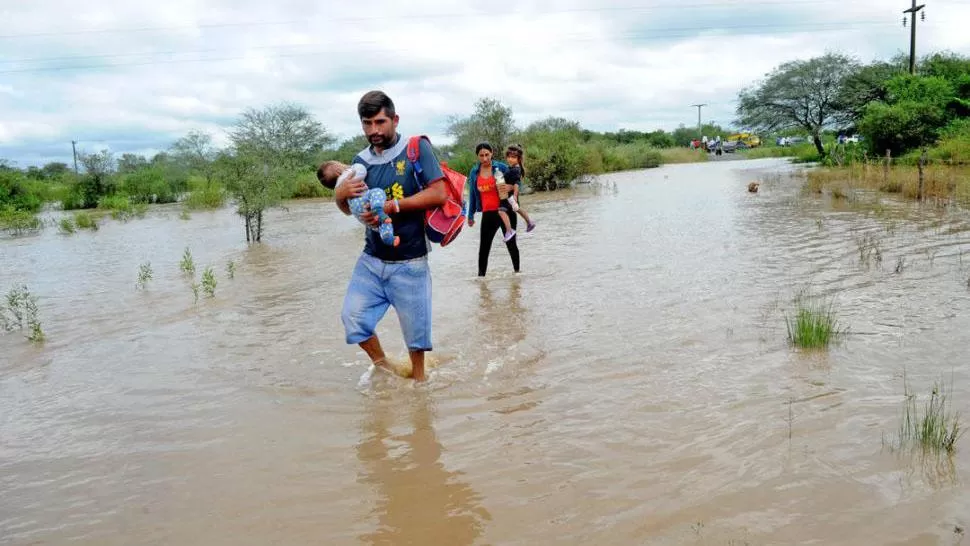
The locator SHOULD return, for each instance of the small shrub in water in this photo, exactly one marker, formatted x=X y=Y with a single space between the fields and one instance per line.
x=187 y=265
x=231 y=269
x=67 y=226
x=21 y=306
x=812 y=324
x=144 y=274
x=869 y=249
x=84 y=220
x=195 y=291
x=209 y=282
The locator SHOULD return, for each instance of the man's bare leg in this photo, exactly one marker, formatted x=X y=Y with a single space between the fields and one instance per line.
x=374 y=350
x=417 y=365
x=372 y=347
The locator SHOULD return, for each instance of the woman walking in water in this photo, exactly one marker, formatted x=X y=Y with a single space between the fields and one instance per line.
x=483 y=197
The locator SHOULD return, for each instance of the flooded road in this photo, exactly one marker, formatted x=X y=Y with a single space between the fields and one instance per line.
x=633 y=385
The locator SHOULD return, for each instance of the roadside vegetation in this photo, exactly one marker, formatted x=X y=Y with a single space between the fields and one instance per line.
x=910 y=133
x=920 y=120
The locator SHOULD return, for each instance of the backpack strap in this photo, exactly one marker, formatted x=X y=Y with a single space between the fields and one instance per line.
x=413 y=153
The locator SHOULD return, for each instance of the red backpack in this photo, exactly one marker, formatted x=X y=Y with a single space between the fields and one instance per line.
x=443 y=223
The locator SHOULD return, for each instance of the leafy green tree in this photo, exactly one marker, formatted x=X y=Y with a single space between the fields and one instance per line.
x=97 y=180
x=285 y=135
x=491 y=122
x=868 y=84
x=254 y=183
x=801 y=94
x=949 y=66
x=911 y=116
x=129 y=163
x=196 y=153
x=15 y=192
x=55 y=169
x=682 y=135
x=554 y=155
x=148 y=185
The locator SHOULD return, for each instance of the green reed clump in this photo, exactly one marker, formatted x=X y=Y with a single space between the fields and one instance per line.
x=209 y=282
x=231 y=269
x=812 y=324
x=20 y=312
x=84 y=220
x=187 y=265
x=932 y=426
x=66 y=226
x=144 y=274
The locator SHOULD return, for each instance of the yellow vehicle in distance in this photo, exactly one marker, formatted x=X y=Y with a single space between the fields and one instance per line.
x=750 y=140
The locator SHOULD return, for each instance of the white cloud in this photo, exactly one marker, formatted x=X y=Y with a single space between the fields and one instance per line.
x=180 y=65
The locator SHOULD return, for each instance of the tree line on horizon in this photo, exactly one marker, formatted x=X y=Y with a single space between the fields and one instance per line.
x=273 y=152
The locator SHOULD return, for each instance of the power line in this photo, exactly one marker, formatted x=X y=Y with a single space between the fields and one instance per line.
x=307 y=22
x=667 y=33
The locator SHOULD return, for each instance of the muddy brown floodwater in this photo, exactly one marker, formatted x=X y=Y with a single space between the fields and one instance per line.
x=633 y=385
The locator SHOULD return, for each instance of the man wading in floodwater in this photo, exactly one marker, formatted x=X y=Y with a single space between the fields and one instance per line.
x=388 y=275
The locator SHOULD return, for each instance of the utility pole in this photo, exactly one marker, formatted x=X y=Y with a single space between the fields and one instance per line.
x=912 y=33
x=74 y=147
x=699 y=106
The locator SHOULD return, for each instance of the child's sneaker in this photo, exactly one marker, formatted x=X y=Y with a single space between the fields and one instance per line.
x=508 y=235
x=530 y=227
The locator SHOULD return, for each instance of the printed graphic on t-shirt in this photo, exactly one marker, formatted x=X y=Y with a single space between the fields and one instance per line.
x=395 y=191
x=486 y=184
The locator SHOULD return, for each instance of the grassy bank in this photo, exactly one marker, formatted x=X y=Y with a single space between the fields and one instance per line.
x=682 y=155
x=941 y=182
x=800 y=152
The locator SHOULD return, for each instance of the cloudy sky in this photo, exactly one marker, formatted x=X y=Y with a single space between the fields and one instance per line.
x=134 y=76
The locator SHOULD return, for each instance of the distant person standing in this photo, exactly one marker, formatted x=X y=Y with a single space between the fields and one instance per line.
x=483 y=197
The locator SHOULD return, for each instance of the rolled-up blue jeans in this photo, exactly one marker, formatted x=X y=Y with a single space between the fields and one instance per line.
x=375 y=285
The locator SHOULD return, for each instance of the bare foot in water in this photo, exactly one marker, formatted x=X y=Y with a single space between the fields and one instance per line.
x=400 y=369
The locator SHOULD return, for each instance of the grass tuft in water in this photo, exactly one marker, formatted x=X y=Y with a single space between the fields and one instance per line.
x=67 y=226
x=900 y=265
x=144 y=274
x=231 y=269
x=812 y=324
x=932 y=426
x=187 y=265
x=84 y=220
x=869 y=249
x=209 y=282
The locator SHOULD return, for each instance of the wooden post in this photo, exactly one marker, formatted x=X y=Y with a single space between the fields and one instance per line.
x=885 y=168
x=922 y=174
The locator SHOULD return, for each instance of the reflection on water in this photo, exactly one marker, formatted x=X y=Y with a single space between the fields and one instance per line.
x=419 y=500
x=632 y=385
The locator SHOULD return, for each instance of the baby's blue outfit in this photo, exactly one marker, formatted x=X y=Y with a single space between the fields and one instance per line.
x=375 y=197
